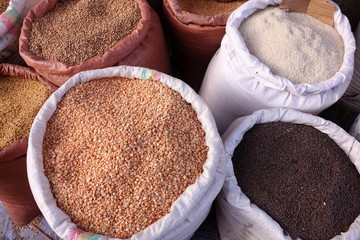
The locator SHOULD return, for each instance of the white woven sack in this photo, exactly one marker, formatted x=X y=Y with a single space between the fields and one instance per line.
x=11 y=20
x=187 y=212
x=236 y=83
x=351 y=97
x=355 y=128
x=238 y=218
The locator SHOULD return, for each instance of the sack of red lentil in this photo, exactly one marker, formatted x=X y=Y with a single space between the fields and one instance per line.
x=351 y=97
x=290 y=175
x=125 y=152
x=22 y=92
x=12 y=15
x=273 y=58
x=195 y=30
x=108 y=33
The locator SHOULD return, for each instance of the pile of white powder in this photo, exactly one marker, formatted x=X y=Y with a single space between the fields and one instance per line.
x=293 y=45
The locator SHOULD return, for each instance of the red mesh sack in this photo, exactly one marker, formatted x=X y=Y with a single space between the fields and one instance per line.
x=194 y=39
x=145 y=47
x=15 y=193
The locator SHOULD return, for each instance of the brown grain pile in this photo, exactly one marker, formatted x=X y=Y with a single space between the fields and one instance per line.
x=209 y=7
x=77 y=30
x=20 y=100
x=118 y=152
x=300 y=177
x=3 y=5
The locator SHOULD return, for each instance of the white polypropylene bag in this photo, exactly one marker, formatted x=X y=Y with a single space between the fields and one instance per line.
x=236 y=83
x=351 y=97
x=187 y=212
x=11 y=20
x=355 y=128
x=238 y=218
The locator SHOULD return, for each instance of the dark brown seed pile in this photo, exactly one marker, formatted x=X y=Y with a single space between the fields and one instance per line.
x=119 y=152
x=209 y=7
x=76 y=30
x=300 y=177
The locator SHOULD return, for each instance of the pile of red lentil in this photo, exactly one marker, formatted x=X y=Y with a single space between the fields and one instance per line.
x=118 y=152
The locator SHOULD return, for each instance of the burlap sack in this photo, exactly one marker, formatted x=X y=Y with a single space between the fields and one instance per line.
x=239 y=218
x=15 y=193
x=194 y=39
x=236 y=83
x=156 y=5
x=145 y=47
x=351 y=97
x=351 y=9
x=355 y=128
x=186 y=213
x=10 y=24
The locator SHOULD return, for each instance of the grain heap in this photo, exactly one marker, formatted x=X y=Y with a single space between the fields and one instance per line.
x=75 y=31
x=311 y=188
x=3 y=5
x=293 y=45
x=208 y=8
x=141 y=147
x=20 y=100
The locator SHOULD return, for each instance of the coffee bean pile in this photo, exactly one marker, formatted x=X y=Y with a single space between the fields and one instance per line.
x=300 y=177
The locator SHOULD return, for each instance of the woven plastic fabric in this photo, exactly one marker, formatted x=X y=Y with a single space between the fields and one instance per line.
x=238 y=218
x=237 y=83
x=186 y=213
x=145 y=47
x=194 y=39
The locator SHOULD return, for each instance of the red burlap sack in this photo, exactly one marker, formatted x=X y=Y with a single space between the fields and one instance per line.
x=194 y=39
x=15 y=193
x=145 y=47
x=11 y=55
x=152 y=51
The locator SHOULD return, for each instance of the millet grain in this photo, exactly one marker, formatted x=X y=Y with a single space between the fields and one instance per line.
x=300 y=177
x=118 y=152
x=209 y=7
x=20 y=100
x=76 y=30
x=293 y=45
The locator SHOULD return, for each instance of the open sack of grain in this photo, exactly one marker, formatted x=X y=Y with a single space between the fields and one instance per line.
x=90 y=35
x=11 y=20
x=195 y=29
x=22 y=93
x=351 y=97
x=290 y=175
x=125 y=152
x=273 y=58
